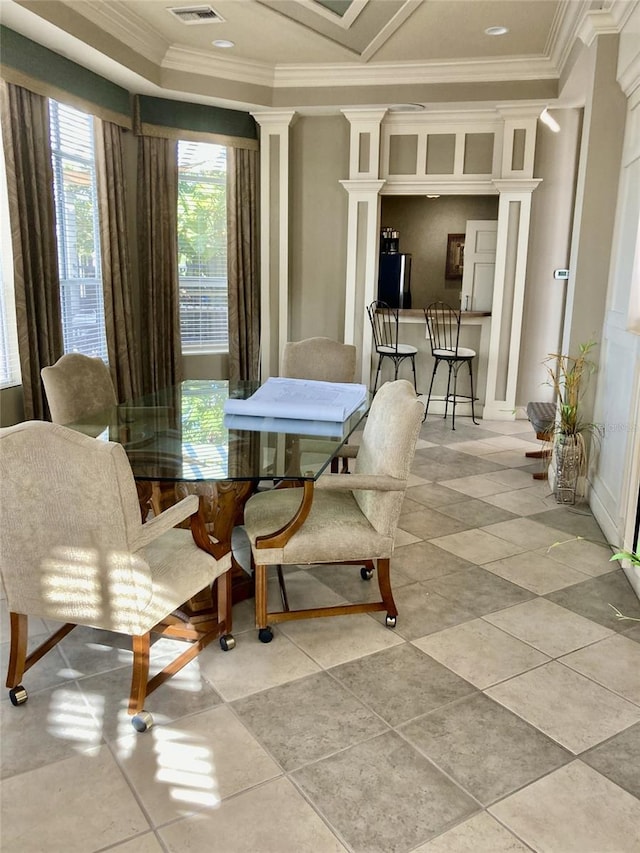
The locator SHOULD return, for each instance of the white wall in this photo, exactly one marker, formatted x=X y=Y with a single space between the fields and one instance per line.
x=615 y=484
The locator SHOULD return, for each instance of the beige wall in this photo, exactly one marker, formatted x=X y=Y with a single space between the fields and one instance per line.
x=318 y=222
x=424 y=224
x=549 y=246
x=11 y=406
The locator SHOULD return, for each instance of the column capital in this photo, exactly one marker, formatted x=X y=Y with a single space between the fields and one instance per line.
x=275 y=118
x=364 y=115
x=363 y=187
x=516 y=185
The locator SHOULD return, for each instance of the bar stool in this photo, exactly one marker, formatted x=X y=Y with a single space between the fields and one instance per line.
x=384 y=324
x=443 y=329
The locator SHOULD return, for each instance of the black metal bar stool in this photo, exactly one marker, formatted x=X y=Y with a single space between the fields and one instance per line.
x=443 y=328
x=384 y=323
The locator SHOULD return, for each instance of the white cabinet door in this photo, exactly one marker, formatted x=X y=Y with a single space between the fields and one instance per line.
x=479 y=264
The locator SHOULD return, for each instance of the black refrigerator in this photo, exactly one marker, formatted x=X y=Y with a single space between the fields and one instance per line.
x=394 y=279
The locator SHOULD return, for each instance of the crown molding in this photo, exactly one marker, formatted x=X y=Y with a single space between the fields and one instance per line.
x=119 y=21
x=201 y=62
x=605 y=21
x=342 y=75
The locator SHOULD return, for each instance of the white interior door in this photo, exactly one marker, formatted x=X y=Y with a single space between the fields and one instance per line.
x=479 y=264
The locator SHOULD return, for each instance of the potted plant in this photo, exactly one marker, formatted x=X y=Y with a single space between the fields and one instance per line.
x=568 y=376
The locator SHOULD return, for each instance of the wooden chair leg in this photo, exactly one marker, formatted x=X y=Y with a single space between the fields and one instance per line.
x=140 y=673
x=18 y=649
x=261 y=596
x=384 y=583
x=224 y=598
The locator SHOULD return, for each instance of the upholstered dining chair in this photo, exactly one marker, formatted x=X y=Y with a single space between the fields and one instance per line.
x=77 y=385
x=325 y=360
x=73 y=549
x=443 y=331
x=351 y=520
x=385 y=327
x=319 y=358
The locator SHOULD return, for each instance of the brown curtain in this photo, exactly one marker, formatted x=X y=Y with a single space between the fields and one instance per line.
x=242 y=264
x=157 y=223
x=122 y=348
x=25 y=126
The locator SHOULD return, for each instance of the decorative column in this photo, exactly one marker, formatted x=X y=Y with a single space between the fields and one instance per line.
x=274 y=237
x=364 y=188
x=515 y=186
x=514 y=213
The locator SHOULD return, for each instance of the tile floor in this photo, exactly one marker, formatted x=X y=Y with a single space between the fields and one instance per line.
x=503 y=713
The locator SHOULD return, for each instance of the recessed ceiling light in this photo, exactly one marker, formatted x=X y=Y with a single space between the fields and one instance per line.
x=432 y=196
x=496 y=31
x=223 y=43
x=406 y=108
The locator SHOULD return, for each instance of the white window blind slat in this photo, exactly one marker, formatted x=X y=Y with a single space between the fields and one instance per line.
x=9 y=355
x=202 y=247
x=78 y=234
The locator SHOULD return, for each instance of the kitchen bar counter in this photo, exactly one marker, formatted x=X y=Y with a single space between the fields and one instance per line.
x=475 y=332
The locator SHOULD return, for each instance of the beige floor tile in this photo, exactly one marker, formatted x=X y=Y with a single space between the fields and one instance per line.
x=480 y=834
x=522 y=501
x=497 y=444
x=573 y=710
x=614 y=663
x=421 y=443
x=480 y=652
x=478 y=546
x=603 y=817
x=271 y=817
x=588 y=557
x=510 y=458
x=479 y=447
x=476 y=486
x=551 y=629
x=512 y=477
x=523 y=531
x=338 y=639
x=254 y=666
x=193 y=764
x=414 y=480
x=405 y=538
x=147 y=843
x=53 y=725
x=533 y=570
x=519 y=426
x=79 y=804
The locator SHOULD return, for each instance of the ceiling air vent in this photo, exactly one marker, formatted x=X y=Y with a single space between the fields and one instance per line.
x=196 y=15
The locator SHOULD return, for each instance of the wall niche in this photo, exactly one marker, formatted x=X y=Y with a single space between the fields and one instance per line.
x=424 y=225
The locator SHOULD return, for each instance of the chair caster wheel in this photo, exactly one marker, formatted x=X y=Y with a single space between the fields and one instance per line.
x=390 y=621
x=265 y=635
x=366 y=574
x=142 y=721
x=227 y=642
x=18 y=695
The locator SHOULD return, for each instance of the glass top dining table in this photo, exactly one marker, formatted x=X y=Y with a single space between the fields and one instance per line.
x=181 y=434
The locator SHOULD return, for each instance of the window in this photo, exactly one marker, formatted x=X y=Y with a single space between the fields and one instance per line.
x=78 y=233
x=9 y=358
x=202 y=247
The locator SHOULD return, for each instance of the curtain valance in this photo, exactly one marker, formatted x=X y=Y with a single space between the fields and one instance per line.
x=169 y=119
x=43 y=72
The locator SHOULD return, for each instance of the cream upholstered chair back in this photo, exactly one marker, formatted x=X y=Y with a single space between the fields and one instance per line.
x=387 y=449
x=77 y=386
x=319 y=359
x=70 y=527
